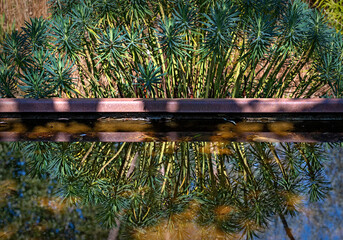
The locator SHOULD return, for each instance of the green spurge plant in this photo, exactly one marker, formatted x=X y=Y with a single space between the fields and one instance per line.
x=334 y=10
x=199 y=48
x=35 y=68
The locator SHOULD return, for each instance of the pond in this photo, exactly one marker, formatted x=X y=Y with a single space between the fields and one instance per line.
x=170 y=169
x=183 y=189
x=143 y=129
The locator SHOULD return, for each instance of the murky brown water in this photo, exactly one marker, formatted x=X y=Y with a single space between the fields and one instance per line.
x=138 y=130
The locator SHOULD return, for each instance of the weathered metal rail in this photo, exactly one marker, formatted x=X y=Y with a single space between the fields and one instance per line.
x=135 y=105
x=299 y=120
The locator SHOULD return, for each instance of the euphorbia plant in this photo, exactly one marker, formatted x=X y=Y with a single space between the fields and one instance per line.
x=200 y=48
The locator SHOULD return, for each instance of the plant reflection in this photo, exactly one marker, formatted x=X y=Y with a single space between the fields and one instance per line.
x=186 y=190
x=7 y=188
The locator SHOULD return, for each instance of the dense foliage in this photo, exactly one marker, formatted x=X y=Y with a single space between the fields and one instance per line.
x=30 y=209
x=195 y=48
x=231 y=189
x=334 y=11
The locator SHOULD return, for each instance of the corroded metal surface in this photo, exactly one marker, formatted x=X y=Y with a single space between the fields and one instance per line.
x=132 y=105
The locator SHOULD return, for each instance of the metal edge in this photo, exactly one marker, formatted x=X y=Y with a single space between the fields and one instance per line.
x=135 y=105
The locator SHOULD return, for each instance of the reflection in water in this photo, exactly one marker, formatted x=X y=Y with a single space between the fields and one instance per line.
x=166 y=130
x=30 y=209
x=186 y=190
x=7 y=187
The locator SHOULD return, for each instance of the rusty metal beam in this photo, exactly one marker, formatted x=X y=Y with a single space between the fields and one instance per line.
x=133 y=105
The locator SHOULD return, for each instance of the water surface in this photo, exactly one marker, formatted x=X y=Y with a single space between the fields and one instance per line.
x=172 y=190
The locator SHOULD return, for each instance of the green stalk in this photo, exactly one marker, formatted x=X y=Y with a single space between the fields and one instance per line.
x=299 y=65
x=244 y=161
x=177 y=184
x=239 y=73
x=110 y=85
x=115 y=155
x=83 y=84
x=249 y=79
x=124 y=163
x=209 y=77
x=198 y=88
x=172 y=158
x=237 y=86
x=162 y=153
x=270 y=75
x=198 y=164
x=277 y=160
x=219 y=77
x=210 y=169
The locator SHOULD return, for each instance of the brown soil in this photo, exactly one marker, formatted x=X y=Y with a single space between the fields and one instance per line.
x=19 y=11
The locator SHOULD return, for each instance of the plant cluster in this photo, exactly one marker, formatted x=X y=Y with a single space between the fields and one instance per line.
x=169 y=49
x=234 y=188
x=30 y=209
x=333 y=10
